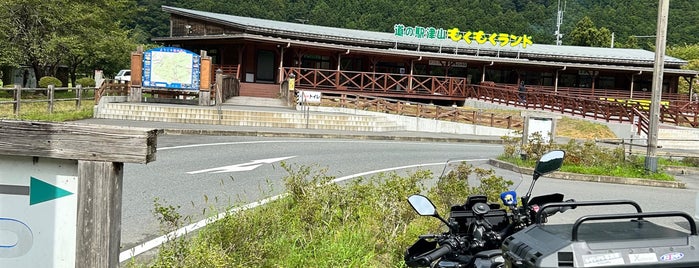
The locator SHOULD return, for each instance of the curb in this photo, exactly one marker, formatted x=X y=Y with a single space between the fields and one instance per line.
x=591 y=178
x=322 y=135
x=678 y=170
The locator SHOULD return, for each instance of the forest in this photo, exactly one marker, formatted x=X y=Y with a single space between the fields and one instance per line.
x=537 y=18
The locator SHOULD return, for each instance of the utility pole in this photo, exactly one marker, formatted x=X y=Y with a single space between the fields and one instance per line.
x=651 y=162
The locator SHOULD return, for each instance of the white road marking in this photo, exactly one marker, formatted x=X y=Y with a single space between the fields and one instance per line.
x=322 y=141
x=146 y=246
x=241 y=167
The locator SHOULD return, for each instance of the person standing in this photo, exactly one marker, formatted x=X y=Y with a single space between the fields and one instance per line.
x=522 y=92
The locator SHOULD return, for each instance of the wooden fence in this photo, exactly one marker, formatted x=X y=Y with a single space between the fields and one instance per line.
x=421 y=110
x=21 y=96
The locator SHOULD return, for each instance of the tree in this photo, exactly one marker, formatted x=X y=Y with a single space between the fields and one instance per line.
x=586 y=34
x=690 y=53
x=47 y=34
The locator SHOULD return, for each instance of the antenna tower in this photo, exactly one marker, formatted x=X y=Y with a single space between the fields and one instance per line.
x=559 y=21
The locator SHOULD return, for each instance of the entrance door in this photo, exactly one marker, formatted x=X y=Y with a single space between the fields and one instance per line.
x=265 y=66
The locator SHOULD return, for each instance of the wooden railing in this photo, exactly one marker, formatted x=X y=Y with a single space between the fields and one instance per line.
x=232 y=70
x=45 y=95
x=608 y=105
x=112 y=88
x=368 y=83
x=230 y=86
x=400 y=107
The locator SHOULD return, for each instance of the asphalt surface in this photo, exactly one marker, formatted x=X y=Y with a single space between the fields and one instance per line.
x=225 y=130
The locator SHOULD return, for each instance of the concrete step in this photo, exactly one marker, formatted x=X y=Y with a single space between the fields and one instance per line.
x=208 y=115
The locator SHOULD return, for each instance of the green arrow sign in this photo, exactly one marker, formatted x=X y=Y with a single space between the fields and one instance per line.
x=40 y=191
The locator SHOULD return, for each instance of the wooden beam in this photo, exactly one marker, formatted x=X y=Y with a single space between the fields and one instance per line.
x=78 y=141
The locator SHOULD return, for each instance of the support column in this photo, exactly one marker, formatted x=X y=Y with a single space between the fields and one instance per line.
x=633 y=77
x=280 y=78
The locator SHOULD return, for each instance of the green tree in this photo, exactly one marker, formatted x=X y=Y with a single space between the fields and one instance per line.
x=47 y=34
x=586 y=34
x=689 y=53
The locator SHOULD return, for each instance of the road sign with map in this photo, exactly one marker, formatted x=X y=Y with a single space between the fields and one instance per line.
x=172 y=68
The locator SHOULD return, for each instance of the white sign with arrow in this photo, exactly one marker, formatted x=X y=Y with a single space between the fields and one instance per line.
x=241 y=167
x=38 y=211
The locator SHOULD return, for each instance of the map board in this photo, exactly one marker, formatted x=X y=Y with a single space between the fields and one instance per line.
x=172 y=68
x=38 y=211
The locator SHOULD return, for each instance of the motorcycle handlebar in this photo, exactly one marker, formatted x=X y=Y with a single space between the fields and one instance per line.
x=436 y=254
x=574 y=204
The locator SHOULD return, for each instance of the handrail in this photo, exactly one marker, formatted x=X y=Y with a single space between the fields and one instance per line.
x=608 y=105
x=690 y=220
x=419 y=110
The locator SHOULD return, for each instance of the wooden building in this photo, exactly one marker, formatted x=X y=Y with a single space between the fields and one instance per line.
x=263 y=53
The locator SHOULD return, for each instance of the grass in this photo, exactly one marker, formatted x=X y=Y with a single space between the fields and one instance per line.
x=583 y=158
x=366 y=223
x=37 y=109
x=582 y=129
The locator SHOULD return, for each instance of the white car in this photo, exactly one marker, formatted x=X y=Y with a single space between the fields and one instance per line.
x=123 y=75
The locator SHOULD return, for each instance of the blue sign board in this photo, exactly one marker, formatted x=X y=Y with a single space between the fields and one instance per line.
x=172 y=68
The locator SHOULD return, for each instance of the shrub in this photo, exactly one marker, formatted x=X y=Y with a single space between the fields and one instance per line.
x=691 y=161
x=49 y=80
x=86 y=82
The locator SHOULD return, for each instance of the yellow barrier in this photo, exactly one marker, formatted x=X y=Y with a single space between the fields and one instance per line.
x=645 y=104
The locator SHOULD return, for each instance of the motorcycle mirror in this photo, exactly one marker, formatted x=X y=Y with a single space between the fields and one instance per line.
x=422 y=205
x=549 y=162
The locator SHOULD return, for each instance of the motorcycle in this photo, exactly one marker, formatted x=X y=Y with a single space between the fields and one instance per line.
x=477 y=229
x=481 y=234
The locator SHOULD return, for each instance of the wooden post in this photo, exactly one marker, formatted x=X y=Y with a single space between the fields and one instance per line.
x=49 y=92
x=135 y=90
x=205 y=79
x=79 y=97
x=99 y=201
x=100 y=152
x=219 y=87
x=18 y=99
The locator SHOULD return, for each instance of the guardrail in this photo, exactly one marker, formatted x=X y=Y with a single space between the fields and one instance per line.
x=19 y=96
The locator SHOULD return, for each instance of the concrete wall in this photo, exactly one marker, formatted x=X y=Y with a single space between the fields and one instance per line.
x=423 y=124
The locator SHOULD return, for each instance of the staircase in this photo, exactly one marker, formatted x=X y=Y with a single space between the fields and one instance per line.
x=231 y=116
x=259 y=90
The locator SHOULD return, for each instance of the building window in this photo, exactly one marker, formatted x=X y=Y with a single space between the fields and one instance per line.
x=606 y=82
x=315 y=62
